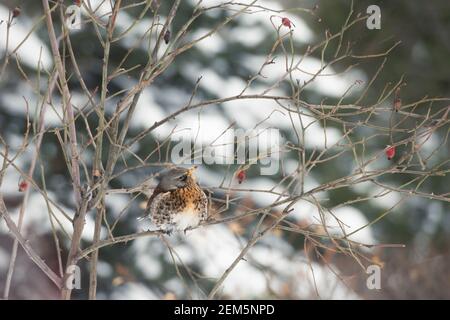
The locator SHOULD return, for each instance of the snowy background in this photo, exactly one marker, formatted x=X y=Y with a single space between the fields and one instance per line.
x=280 y=265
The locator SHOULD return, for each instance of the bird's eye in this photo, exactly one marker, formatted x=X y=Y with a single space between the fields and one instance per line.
x=183 y=177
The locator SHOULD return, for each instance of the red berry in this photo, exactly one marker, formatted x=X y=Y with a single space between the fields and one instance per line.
x=16 y=12
x=390 y=152
x=286 y=22
x=241 y=176
x=23 y=186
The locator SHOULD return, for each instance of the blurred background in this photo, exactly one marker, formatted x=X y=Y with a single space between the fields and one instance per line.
x=280 y=266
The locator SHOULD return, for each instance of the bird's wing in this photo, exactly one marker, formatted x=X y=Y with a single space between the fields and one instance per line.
x=154 y=198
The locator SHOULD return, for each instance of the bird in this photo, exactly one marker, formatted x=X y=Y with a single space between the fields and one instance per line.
x=178 y=202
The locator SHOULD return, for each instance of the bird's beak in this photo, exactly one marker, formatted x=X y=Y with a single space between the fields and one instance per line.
x=192 y=169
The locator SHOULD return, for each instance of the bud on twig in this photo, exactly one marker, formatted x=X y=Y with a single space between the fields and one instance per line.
x=154 y=4
x=167 y=36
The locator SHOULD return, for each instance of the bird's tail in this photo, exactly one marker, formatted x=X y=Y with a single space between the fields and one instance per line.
x=145 y=215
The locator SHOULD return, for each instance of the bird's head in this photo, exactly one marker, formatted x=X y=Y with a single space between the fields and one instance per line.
x=177 y=178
